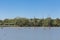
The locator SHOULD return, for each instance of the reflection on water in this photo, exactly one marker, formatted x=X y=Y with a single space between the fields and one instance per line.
x=30 y=33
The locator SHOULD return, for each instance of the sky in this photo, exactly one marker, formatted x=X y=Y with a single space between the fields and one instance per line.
x=9 y=33
x=29 y=8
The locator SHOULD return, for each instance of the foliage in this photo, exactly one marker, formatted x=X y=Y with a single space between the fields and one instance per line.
x=34 y=22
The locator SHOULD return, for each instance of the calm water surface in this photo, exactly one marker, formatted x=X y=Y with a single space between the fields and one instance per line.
x=29 y=33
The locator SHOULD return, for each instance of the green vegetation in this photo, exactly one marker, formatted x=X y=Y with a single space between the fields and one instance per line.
x=33 y=22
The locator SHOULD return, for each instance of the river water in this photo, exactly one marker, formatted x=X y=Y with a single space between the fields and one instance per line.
x=30 y=33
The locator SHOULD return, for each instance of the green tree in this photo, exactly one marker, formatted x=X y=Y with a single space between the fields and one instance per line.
x=47 y=22
x=56 y=22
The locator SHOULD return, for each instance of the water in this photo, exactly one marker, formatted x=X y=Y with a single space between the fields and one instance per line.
x=30 y=33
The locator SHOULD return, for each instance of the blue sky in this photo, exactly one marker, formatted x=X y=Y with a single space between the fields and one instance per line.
x=29 y=8
x=29 y=34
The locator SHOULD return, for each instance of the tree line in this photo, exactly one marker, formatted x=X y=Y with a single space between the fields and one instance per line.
x=32 y=22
